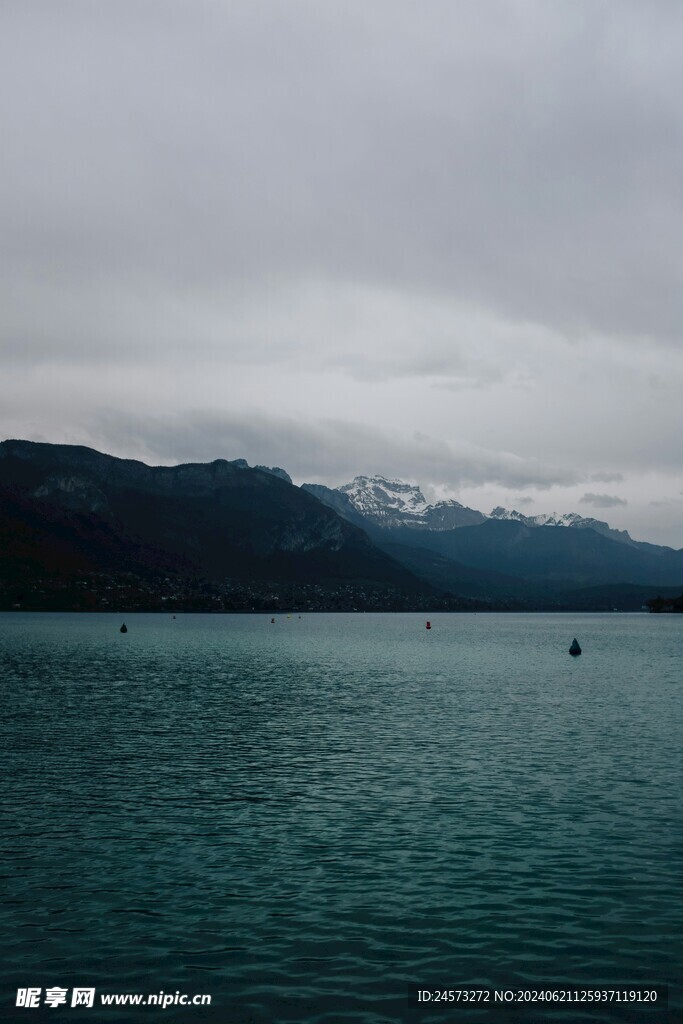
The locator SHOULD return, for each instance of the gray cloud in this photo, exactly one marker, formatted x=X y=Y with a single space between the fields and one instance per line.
x=666 y=502
x=494 y=151
x=442 y=243
x=602 y=500
x=607 y=478
x=330 y=451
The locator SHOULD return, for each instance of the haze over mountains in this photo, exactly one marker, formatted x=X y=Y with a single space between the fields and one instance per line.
x=505 y=556
x=393 y=503
x=69 y=512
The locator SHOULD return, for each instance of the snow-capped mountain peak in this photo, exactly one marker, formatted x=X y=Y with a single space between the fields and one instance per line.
x=378 y=501
x=552 y=519
x=568 y=519
x=393 y=503
x=377 y=494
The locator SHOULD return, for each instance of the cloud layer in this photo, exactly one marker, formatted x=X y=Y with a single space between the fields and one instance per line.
x=441 y=242
x=602 y=500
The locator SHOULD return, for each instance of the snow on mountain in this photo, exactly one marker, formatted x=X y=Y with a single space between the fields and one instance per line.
x=393 y=503
x=375 y=495
x=569 y=519
x=513 y=514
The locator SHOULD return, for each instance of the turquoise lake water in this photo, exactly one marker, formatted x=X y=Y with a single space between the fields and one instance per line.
x=313 y=819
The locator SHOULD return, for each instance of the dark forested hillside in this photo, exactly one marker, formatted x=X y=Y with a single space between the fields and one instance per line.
x=66 y=510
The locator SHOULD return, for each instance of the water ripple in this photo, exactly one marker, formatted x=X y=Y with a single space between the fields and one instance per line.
x=314 y=821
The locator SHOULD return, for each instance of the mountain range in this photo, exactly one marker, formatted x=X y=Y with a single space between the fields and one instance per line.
x=545 y=560
x=378 y=501
x=79 y=528
x=68 y=511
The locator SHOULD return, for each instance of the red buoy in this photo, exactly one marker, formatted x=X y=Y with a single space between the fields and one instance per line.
x=428 y=626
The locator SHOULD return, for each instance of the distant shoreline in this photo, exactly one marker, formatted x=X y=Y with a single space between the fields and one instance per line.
x=284 y=613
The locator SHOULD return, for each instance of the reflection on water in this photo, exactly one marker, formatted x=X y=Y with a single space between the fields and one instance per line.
x=310 y=820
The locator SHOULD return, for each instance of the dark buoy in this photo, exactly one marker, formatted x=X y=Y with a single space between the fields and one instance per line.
x=124 y=628
x=272 y=621
x=429 y=625
x=575 y=648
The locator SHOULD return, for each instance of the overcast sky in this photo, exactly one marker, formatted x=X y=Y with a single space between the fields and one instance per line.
x=441 y=241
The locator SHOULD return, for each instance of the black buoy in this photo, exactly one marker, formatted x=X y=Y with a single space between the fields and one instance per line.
x=575 y=648
x=124 y=628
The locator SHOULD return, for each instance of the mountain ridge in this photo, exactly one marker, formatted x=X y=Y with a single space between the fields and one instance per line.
x=571 y=520
x=74 y=509
x=383 y=502
x=527 y=558
x=391 y=503
x=70 y=509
